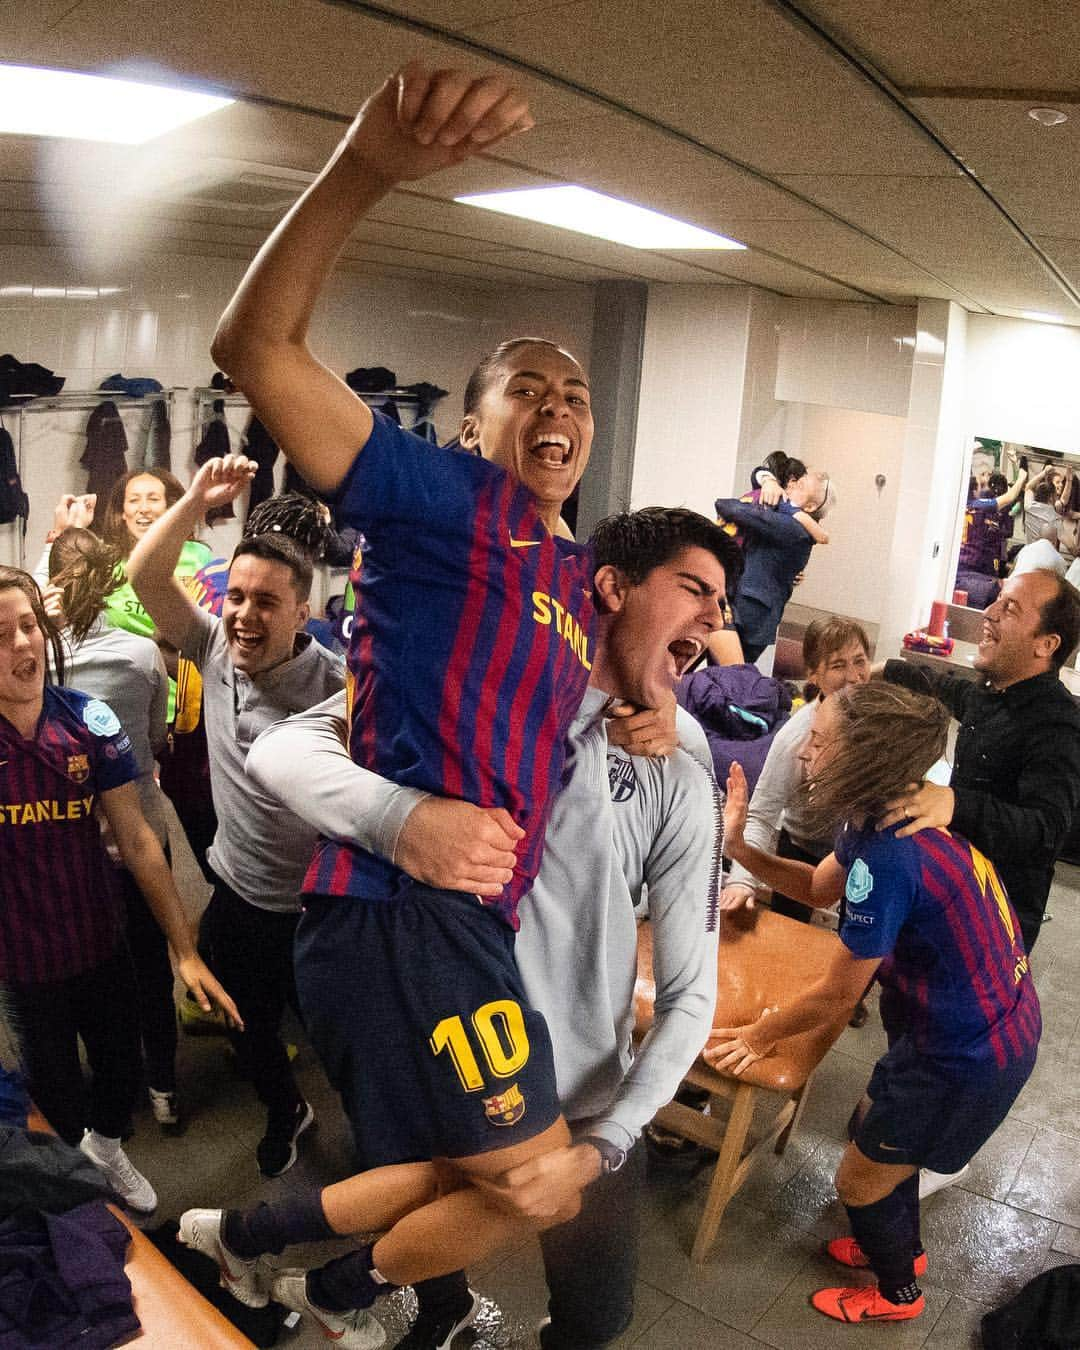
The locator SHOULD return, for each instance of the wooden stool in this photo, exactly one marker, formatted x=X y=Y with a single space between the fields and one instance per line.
x=764 y=959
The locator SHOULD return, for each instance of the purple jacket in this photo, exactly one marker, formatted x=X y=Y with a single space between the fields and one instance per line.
x=712 y=695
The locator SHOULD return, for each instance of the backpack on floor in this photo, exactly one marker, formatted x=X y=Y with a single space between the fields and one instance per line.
x=1045 y=1315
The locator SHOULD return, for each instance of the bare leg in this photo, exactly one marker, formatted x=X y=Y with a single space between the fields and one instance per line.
x=466 y=1226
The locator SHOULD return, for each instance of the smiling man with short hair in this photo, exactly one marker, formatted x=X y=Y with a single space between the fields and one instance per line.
x=257 y=666
x=1016 y=786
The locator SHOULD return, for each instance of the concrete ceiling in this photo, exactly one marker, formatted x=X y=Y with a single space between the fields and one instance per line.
x=862 y=149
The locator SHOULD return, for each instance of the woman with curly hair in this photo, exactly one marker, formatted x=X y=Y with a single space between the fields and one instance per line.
x=929 y=918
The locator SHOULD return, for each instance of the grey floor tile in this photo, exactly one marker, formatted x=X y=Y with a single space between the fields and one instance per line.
x=688 y=1329
x=994 y=1169
x=1049 y=1183
x=809 y=1199
x=793 y=1324
x=866 y=1043
x=752 y=1260
x=958 y=1327
x=983 y=1249
x=838 y=1086
x=1067 y=1240
x=772 y=1173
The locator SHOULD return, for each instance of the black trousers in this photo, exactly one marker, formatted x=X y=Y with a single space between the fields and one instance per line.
x=154 y=982
x=252 y=954
x=100 y=1007
x=590 y=1265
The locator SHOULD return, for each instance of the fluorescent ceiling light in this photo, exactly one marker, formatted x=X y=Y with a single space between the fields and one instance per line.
x=1036 y=317
x=35 y=102
x=588 y=212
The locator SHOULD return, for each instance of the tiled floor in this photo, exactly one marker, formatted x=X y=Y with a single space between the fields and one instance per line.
x=1016 y=1213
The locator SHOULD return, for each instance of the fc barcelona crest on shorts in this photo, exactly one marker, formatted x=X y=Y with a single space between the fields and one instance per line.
x=505 y=1108
x=78 y=768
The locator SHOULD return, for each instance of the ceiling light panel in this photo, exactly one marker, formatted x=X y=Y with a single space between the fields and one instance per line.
x=60 y=103
x=586 y=212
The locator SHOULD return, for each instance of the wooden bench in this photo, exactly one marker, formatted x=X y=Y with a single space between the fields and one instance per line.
x=174 y=1315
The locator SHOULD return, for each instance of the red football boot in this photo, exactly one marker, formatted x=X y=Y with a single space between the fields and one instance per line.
x=848 y=1252
x=864 y=1305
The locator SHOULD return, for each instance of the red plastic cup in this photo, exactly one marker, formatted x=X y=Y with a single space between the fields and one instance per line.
x=959 y=597
x=939 y=613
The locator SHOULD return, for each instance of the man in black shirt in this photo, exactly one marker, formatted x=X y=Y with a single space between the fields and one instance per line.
x=1016 y=785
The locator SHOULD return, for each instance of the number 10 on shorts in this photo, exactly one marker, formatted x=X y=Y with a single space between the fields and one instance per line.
x=499 y=1030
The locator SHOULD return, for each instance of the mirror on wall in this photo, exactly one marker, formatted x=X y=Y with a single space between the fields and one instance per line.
x=1021 y=510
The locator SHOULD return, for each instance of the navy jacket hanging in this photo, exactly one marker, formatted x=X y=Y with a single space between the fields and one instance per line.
x=262 y=448
x=14 y=503
x=215 y=445
x=105 y=456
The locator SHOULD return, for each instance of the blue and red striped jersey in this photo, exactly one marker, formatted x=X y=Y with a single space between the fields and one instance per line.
x=471 y=646
x=61 y=910
x=954 y=971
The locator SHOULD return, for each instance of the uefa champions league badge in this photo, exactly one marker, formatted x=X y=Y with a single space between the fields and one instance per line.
x=860 y=883
x=100 y=718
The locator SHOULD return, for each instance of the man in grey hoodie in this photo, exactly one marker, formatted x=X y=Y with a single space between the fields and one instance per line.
x=627 y=837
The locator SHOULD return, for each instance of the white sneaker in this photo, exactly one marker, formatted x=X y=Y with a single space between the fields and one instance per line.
x=932 y=1182
x=124 y=1177
x=355 y=1330
x=201 y=1229
x=166 y=1109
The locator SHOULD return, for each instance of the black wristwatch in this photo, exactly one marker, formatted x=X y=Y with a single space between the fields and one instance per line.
x=611 y=1156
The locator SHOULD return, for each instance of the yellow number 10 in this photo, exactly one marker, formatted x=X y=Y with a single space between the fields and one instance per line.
x=500 y=1028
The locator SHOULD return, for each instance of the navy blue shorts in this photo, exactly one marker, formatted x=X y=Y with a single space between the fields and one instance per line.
x=924 y=1117
x=417 y=1010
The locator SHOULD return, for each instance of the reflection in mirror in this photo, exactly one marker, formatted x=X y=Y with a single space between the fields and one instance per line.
x=1021 y=511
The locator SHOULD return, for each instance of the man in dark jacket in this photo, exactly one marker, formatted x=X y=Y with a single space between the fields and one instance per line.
x=1016 y=785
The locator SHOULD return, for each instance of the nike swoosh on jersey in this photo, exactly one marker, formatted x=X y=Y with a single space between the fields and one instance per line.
x=525 y=543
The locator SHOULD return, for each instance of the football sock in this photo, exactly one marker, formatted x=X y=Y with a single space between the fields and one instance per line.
x=349 y=1282
x=883 y=1231
x=269 y=1229
x=910 y=1191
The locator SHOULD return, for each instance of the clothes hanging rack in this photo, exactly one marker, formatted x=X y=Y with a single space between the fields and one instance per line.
x=74 y=400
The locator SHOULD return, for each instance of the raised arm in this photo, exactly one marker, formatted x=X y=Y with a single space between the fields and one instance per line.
x=1007 y=498
x=418 y=122
x=819 y=886
x=152 y=564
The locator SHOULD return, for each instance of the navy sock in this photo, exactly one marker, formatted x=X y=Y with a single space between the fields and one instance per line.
x=346 y=1283
x=883 y=1231
x=271 y=1228
x=910 y=1191
x=442 y=1296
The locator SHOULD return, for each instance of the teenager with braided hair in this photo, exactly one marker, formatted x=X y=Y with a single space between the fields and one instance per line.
x=927 y=916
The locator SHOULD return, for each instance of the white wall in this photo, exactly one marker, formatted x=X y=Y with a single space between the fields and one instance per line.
x=846 y=356
x=159 y=319
x=690 y=404
x=1021 y=382
x=849 y=574
x=921 y=559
